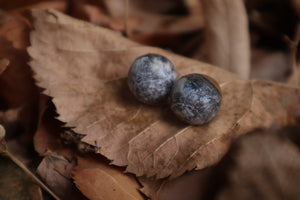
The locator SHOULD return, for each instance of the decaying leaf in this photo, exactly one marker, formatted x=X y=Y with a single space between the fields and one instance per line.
x=59 y=159
x=263 y=63
x=18 y=93
x=15 y=183
x=84 y=69
x=56 y=171
x=116 y=7
x=99 y=181
x=227 y=35
x=105 y=50
x=57 y=168
x=259 y=165
x=14 y=37
x=14 y=30
x=139 y=22
x=47 y=137
x=266 y=166
x=16 y=180
x=189 y=186
x=17 y=89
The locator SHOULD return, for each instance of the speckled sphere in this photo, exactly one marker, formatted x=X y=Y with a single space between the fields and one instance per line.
x=195 y=99
x=151 y=78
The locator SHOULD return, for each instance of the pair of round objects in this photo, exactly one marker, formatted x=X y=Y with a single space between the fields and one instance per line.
x=194 y=98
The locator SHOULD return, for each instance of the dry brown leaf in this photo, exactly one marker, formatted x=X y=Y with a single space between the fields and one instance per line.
x=59 y=159
x=47 y=136
x=194 y=7
x=259 y=165
x=15 y=183
x=168 y=25
x=144 y=25
x=266 y=166
x=99 y=181
x=56 y=171
x=13 y=30
x=269 y=65
x=11 y=121
x=18 y=92
x=116 y=7
x=140 y=23
x=15 y=4
x=21 y=92
x=83 y=68
x=227 y=35
x=189 y=186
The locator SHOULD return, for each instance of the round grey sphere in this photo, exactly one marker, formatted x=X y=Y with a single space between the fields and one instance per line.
x=195 y=99
x=151 y=78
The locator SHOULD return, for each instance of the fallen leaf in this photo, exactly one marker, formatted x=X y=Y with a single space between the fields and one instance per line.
x=18 y=93
x=188 y=186
x=14 y=37
x=111 y=55
x=22 y=92
x=266 y=166
x=139 y=23
x=99 y=181
x=83 y=67
x=116 y=7
x=59 y=158
x=264 y=62
x=18 y=10
x=14 y=4
x=47 y=136
x=259 y=165
x=144 y=25
x=194 y=7
x=15 y=183
x=13 y=30
x=56 y=171
x=227 y=35
x=16 y=180
x=16 y=144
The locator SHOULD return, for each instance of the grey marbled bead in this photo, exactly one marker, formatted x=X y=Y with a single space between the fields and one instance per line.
x=151 y=78
x=194 y=99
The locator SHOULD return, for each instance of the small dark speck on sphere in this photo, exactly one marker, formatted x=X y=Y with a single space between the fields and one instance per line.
x=151 y=78
x=195 y=100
